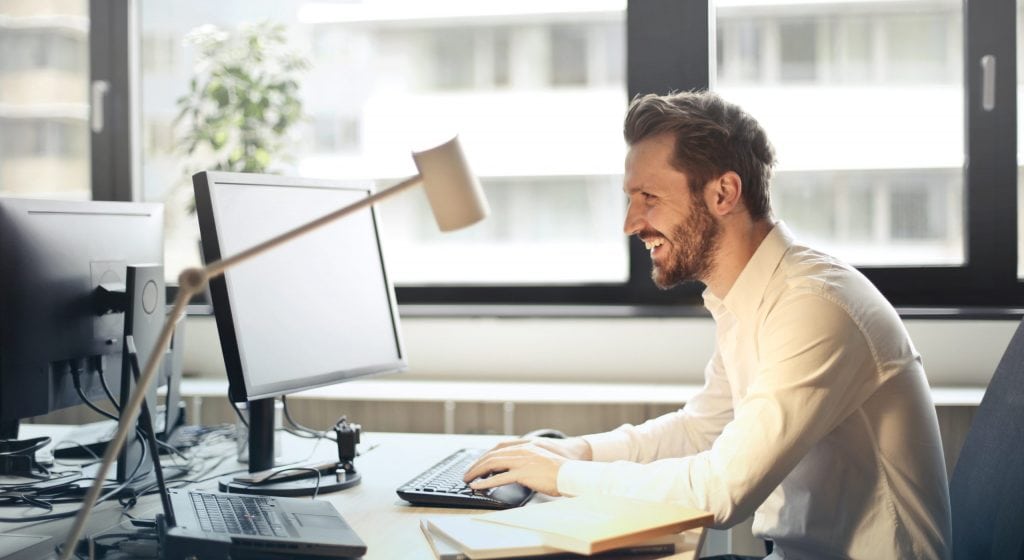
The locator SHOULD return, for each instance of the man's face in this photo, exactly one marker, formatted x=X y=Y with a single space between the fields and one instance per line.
x=674 y=223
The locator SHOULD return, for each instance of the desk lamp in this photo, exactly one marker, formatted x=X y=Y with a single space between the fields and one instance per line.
x=456 y=199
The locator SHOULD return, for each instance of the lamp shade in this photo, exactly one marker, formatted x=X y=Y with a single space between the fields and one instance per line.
x=454 y=193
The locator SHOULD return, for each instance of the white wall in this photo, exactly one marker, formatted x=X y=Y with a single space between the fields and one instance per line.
x=668 y=350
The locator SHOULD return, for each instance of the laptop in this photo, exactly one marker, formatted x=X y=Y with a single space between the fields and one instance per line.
x=207 y=524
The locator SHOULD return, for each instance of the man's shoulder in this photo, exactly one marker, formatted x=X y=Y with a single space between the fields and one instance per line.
x=810 y=275
x=804 y=267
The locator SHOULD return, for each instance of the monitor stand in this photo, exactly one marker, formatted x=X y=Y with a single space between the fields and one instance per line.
x=9 y=429
x=289 y=482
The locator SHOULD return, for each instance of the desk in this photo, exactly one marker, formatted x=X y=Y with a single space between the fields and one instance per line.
x=388 y=525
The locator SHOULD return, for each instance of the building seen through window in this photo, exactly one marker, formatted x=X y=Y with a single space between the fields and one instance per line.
x=44 y=84
x=864 y=104
x=863 y=101
x=537 y=96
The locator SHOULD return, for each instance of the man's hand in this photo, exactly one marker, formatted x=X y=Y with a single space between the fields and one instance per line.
x=533 y=463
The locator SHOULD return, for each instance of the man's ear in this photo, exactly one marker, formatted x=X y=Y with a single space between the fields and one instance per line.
x=725 y=194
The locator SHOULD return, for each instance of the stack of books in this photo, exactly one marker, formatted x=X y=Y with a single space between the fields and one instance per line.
x=588 y=525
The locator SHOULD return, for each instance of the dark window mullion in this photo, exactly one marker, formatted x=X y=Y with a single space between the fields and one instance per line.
x=109 y=62
x=668 y=48
x=991 y=149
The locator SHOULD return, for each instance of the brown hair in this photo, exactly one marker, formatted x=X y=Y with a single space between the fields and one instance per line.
x=712 y=137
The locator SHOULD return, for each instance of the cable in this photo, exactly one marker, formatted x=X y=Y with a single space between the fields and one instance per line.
x=106 y=389
x=238 y=412
x=316 y=489
x=84 y=447
x=174 y=450
x=288 y=416
x=67 y=491
x=138 y=431
x=15 y=486
x=77 y=382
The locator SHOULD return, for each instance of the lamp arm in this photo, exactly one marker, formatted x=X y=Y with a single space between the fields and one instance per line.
x=191 y=282
x=218 y=267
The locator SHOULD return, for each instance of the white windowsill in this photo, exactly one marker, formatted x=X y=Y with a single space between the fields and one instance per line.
x=533 y=392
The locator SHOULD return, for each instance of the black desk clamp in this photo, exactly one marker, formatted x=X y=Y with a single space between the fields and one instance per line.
x=348 y=436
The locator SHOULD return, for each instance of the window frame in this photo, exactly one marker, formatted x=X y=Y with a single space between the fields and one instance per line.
x=114 y=145
x=670 y=47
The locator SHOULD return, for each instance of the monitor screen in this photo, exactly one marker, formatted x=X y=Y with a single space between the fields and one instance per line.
x=315 y=311
x=54 y=254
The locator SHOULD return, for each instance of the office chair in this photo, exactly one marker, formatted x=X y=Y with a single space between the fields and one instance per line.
x=987 y=486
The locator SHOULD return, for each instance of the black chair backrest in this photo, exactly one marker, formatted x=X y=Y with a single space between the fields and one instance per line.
x=987 y=486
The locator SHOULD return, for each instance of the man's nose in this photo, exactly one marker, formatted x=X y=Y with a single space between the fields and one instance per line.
x=633 y=223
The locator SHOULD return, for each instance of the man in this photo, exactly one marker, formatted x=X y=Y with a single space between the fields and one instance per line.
x=815 y=415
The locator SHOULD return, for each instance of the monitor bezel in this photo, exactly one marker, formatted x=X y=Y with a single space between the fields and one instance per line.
x=240 y=387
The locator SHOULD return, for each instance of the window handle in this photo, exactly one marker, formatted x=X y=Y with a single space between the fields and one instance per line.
x=99 y=93
x=988 y=82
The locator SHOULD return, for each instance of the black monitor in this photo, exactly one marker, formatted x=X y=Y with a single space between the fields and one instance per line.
x=54 y=255
x=316 y=311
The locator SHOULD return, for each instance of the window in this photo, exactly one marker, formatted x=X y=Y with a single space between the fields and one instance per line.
x=862 y=91
x=740 y=48
x=453 y=58
x=44 y=77
x=568 y=55
x=919 y=45
x=333 y=134
x=798 y=50
x=531 y=92
x=887 y=156
x=853 y=49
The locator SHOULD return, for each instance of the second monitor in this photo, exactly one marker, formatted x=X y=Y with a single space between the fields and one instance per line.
x=314 y=312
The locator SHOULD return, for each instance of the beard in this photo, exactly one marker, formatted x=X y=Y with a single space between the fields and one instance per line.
x=692 y=249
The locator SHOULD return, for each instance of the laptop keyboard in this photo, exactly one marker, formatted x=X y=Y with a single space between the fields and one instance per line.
x=442 y=485
x=237 y=514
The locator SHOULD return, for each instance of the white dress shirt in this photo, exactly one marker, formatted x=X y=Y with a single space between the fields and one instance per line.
x=815 y=416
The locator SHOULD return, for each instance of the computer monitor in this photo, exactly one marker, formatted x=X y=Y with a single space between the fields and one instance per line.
x=316 y=311
x=54 y=255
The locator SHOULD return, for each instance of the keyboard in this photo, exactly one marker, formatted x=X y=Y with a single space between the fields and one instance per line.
x=237 y=514
x=442 y=485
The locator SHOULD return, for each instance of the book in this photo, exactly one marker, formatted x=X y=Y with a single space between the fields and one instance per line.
x=479 y=540
x=466 y=538
x=593 y=524
x=442 y=548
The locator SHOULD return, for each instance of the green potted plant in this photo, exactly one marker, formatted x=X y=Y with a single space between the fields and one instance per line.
x=243 y=99
x=238 y=114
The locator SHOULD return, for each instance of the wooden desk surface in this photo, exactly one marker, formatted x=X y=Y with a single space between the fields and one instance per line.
x=388 y=525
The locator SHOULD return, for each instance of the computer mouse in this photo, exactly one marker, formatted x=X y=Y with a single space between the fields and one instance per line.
x=545 y=432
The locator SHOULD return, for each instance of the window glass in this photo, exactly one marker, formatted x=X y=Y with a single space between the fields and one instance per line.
x=453 y=56
x=536 y=93
x=798 y=50
x=568 y=55
x=44 y=106
x=863 y=102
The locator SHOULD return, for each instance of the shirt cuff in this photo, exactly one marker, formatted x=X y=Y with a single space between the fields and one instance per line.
x=576 y=478
x=609 y=446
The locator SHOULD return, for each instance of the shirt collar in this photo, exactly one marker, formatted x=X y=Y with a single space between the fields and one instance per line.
x=748 y=290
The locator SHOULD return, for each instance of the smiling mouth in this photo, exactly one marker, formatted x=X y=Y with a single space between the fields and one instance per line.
x=653 y=243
